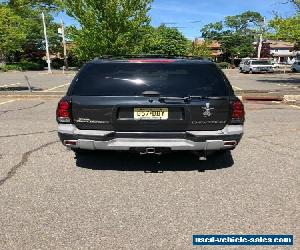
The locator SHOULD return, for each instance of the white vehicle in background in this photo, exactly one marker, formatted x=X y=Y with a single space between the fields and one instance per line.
x=258 y=66
x=242 y=63
x=275 y=64
x=296 y=67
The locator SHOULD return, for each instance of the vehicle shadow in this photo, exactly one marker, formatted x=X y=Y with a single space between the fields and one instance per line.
x=19 y=88
x=119 y=161
x=290 y=81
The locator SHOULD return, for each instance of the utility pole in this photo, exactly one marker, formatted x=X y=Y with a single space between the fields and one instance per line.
x=64 y=44
x=47 y=47
x=261 y=39
x=259 y=46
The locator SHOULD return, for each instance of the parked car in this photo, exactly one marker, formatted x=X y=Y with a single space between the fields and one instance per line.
x=296 y=67
x=275 y=65
x=258 y=66
x=150 y=106
x=242 y=63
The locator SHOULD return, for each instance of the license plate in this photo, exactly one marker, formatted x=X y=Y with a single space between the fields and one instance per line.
x=151 y=113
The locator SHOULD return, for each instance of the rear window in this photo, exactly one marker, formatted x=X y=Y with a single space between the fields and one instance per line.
x=261 y=62
x=132 y=79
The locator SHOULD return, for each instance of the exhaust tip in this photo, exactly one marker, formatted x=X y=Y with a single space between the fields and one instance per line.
x=230 y=144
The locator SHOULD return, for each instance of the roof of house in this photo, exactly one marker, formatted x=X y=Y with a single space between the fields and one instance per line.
x=214 y=44
x=280 y=44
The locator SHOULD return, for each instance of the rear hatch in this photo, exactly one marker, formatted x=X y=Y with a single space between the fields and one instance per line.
x=152 y=97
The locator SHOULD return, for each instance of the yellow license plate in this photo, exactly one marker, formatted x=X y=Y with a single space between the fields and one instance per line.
x=151 y=113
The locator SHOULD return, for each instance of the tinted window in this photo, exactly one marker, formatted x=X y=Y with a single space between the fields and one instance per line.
x=131 y=79
x=261 y=62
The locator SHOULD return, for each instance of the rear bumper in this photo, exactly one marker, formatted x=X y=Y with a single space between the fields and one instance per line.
x=226 y=138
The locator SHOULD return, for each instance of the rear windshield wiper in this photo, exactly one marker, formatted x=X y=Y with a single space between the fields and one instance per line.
x=205 y=97
x=173 y=99
x=189 y=98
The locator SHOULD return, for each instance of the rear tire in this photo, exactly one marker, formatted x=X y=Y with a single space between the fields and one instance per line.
x=80 y=151
x=222 y=152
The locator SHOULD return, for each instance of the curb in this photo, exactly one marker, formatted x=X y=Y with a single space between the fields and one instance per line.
x=262 y=98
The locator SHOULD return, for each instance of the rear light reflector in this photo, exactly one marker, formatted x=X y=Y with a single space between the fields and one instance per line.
x=237 y=112
x=63 y=111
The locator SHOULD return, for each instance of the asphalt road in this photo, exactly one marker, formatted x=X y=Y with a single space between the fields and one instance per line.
x=58 y=82
x=264 y=82
x=53 y=199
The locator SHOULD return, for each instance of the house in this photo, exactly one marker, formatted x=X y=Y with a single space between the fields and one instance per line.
x=214 y=46
x=282 y=52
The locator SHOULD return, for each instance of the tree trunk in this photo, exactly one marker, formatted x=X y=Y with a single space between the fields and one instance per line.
x=232 y=61
x=2 y=59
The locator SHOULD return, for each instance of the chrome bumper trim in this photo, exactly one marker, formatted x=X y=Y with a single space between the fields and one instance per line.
x=128 y=143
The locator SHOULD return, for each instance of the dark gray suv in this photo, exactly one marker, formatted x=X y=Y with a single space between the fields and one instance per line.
x=151 y=106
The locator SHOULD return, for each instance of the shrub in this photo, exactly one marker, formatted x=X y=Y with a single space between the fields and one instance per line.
x=20 y=66
x=73 y=61
x=223 y=65
x=57 y=63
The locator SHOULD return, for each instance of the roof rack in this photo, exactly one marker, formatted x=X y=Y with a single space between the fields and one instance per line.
x=146 y=56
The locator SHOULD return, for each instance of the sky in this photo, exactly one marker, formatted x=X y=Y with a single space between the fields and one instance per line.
x=191 y=15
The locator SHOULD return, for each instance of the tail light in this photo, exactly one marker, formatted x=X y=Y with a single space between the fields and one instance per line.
x=63 y=111
x=237 y=112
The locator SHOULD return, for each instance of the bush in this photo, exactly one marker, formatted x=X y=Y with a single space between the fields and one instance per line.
x=20 y=66
x=223 y=65
x=73 y=61
x=8 y=67
x=57 y=63
x=38 y=60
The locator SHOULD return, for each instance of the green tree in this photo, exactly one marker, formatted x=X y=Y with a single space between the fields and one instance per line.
x=237 y=46
x=45 y=5
x=112 y=27
x=245 y=22
x=28 y=13
x=200 y=49
x=296 y=3
x=164 y=41
x=12 y=32
x=212 y=30
x=236 y=34
x=287 y=29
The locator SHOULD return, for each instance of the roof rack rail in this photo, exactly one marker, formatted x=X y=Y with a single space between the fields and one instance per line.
x=107 y=57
